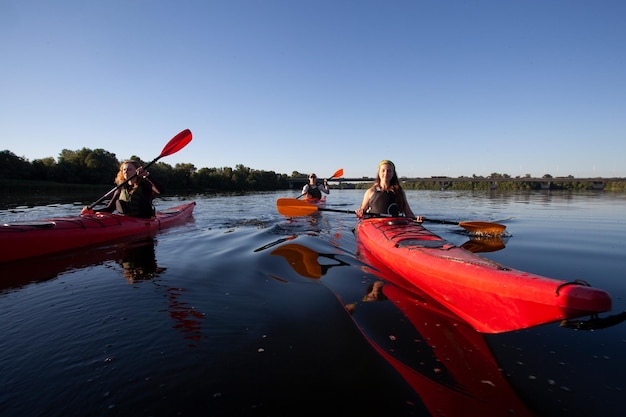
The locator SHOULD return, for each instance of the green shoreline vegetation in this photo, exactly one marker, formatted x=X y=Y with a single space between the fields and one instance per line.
x=91 y=172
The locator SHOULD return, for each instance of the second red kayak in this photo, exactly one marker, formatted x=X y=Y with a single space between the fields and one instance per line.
x=22 y=240
x=491 y=297
x=317 y=201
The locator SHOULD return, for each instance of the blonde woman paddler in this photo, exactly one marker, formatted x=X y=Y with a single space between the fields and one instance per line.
x=386 y=195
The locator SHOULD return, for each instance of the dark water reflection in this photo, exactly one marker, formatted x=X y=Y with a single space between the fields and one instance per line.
x=243 y=312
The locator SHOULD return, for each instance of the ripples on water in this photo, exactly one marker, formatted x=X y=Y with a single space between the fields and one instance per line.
x=242 y=312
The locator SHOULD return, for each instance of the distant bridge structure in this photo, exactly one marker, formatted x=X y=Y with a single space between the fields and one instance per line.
x=546 y=183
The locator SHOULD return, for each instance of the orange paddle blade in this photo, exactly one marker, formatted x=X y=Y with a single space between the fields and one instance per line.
x=293 y=207
x=337 y=174
x=483 y=228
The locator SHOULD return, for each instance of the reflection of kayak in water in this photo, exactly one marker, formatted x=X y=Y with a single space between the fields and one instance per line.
x=136 y=258
x=22 y=240
x=491 y=297
x=484 y=244
x=447 y=363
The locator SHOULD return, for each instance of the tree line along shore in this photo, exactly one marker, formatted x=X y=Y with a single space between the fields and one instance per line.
x=90 y=171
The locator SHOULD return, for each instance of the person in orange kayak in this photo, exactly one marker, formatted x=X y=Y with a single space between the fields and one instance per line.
x=386 y=195
x=134 y=198
x=313 y=190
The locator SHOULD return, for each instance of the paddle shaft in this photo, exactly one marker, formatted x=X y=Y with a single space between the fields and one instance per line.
x=372 y=214
x=295 y=207
x=388 y=215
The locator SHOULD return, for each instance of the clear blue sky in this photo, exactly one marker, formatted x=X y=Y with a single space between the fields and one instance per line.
x=439 y=87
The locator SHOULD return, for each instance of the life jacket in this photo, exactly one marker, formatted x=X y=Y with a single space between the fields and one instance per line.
x=384 y=202
x=314 y=192
x=137 y=201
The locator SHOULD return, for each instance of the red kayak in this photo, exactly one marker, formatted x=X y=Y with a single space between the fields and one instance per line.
x=491 y=297
x=318 y=201
x=22 y=240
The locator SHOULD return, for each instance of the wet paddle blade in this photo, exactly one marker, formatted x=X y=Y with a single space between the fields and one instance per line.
x=483 y=228
x=293 y=208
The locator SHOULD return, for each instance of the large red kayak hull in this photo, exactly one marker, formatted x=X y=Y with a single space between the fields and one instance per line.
x=492 y=298
x=24 y=240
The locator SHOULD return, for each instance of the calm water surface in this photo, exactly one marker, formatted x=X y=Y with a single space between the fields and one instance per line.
x=241 y=312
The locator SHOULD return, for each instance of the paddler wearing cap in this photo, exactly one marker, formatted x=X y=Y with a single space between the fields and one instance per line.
x=386 y=195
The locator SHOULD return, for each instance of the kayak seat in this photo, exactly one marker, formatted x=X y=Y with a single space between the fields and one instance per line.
x=413 y=236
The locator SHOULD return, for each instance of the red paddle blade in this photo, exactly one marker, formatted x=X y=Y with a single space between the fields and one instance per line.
x=338 y=173
x=177 y=143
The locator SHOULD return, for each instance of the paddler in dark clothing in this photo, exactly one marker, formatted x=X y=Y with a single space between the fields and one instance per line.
x=134 y=198
x=386 y=195
x=313 y=190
